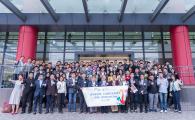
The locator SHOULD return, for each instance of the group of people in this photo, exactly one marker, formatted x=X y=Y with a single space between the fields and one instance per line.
x=150 y=85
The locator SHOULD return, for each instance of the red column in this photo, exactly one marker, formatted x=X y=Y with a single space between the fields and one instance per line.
x=27 y=42
x=182 y=55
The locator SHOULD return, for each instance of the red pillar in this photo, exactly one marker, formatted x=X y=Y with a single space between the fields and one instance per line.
x=27 y=42
x=182 y=55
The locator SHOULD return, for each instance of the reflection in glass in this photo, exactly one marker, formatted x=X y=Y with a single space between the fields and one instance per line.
x=54 y=57
x=9 y=58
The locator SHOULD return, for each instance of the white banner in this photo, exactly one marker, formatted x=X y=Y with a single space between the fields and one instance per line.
x=105 y=96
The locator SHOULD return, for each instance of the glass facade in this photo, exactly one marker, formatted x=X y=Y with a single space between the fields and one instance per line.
x=66 y=46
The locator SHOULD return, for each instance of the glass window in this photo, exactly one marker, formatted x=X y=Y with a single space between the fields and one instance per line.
x=137 y=56
x=39 y=56
x=1 y=58
x=133 y=35
x=74 y=45
x=167 y=45
x=168 y=57
x=113 y=45
x=74 y=35
x=13 y=35
x=166 y=35
x=10 y=58
x=2 y=35
x=69 y=57
x=40 y=45
x=55 y=46
x=41 y=35
x=54 y=57
x=2 y=43
x=11 y=45
x=154 y=57
x=152 y=35
x=55 y=35
x=133 y=45
x=94 y=41
x=192 y=44
x=152 y=45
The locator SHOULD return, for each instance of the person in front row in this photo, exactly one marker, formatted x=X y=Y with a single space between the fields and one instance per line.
x=153 y=93
x=143 y=93
x=61 y=88
x=104 y=83
x=39 y=93
x=28 y=93
x=133 y=83
x=51 y=92
x=175 y=88
x=16 y=94
x=72 y=92
x=82 y=82
x=92 y=83
x=163 y=86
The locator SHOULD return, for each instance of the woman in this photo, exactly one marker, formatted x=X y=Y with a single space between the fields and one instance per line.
x=61 y=87
x=16 y=94
x=175 y=88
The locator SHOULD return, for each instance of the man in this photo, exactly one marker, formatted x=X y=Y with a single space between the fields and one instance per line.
x=28 y=93
x=39 y=93
x=51 y=92
x=134 y=84
x=28 y=67
x=72 y=92
x=82 y=82
x=153 y=93
x=143 y=93
x=163 y=86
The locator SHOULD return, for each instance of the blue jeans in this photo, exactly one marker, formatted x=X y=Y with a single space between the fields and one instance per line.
x=72 y=102
x=163 y=101
x=176 y=100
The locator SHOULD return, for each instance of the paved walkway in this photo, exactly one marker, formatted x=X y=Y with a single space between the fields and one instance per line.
x=186 y=115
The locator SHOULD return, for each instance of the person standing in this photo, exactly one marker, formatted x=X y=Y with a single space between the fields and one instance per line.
x=61 y=88
x=72 y=92
x=82 y=82
x=163 y=86
x=16 y=94
x=39 y=93
x=143 y=93
x=153 y=93
x=51 y=92
x=134 y=84
x=104 y=83
x=175 y=88
x=28 y=92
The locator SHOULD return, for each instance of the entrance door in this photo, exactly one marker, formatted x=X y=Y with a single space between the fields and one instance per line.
x=103 y=57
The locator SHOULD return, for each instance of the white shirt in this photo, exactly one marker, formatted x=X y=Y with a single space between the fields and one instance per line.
x=61 y=87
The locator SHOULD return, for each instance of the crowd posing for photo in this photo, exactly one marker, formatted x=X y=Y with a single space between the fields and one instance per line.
x=153 y=87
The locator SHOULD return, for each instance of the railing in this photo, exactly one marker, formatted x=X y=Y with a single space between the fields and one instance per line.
x=9 y=71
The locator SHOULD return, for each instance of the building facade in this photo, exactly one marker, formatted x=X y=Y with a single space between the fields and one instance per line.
x=75 y=30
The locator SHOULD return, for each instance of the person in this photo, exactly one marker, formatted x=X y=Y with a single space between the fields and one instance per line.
x=39 y=93
x=82 y=82
x=175 y=88
x=133 y=83
x=61 y=89
x=51 y=92
x=92 y=83
x=115 y=83
x=143 y=93
x=28 y=93
x=104 y=83
x=152 y=93
x=163 y=86
x=28 y=67
x=16 y=94
x=72 y=92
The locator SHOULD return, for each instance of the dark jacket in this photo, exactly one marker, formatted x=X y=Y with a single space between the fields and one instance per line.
x=51 y=89
x=39 y=89
x=90 y=84
x=72 y=87
x=29 y=86
x=152 y=88
x=143 y=87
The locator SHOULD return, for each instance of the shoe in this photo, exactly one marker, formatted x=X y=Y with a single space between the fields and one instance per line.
x=179 y=111
x=40 y=112
x=155 y=110
x=175 y=110
x=146 y=111
x=46 y=112
x=165 y=111
x=22 y=112
x=161 y=111
x=150 y=110
x=34 y=113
